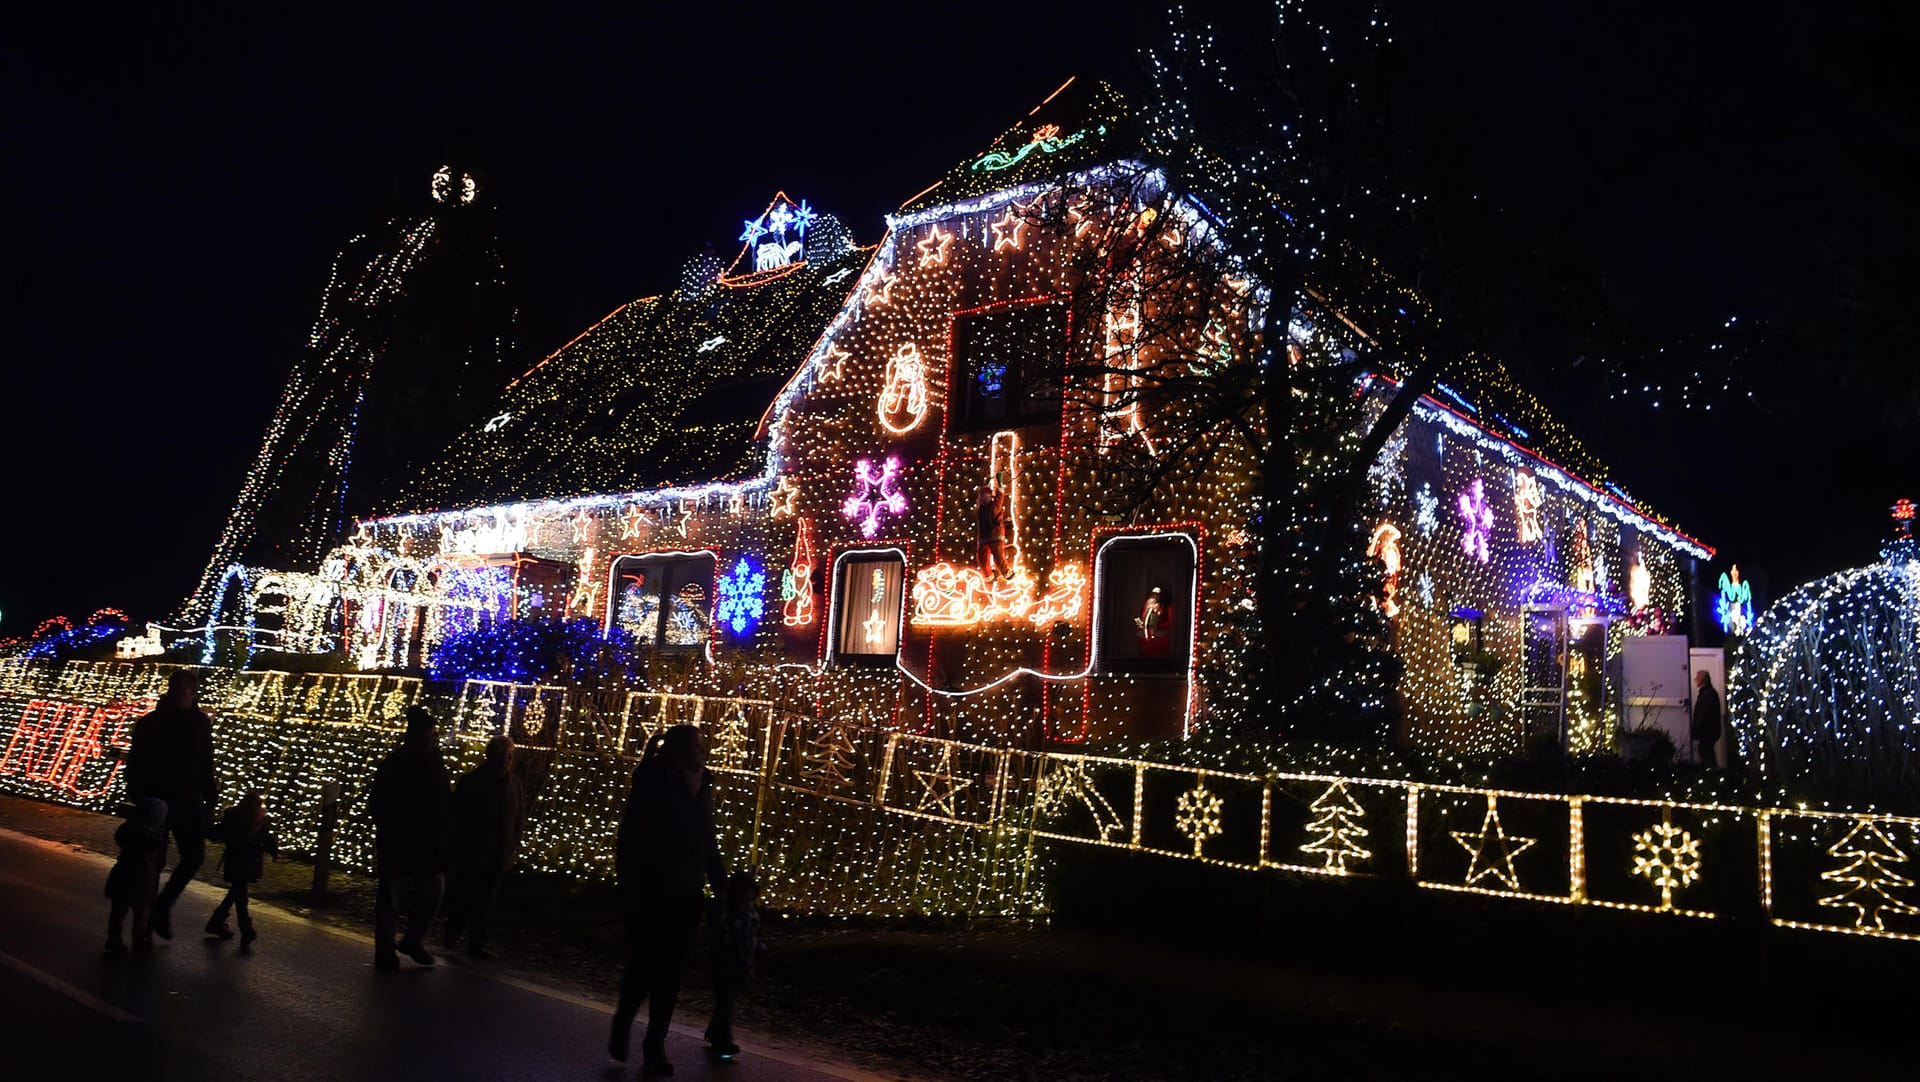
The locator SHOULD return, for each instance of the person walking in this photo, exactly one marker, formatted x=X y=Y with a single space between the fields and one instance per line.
x=411 y=810
x=488 y=814
x=248 y=839
x=665 y=847
x=1706 y=719
x=171 y=759
x=135 y=878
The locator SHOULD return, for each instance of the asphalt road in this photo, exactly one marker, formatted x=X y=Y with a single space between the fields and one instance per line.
x=305 y=1003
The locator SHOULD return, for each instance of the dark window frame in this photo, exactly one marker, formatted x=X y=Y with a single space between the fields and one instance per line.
x=966 y=410
x=670 y=583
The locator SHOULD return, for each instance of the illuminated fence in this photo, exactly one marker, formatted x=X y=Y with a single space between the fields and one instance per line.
x=846 y=819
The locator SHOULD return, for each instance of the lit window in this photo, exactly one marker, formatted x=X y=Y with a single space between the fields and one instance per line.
x=663 y=600
x=1146 y=604
x=868 y=594
x=1005 y=362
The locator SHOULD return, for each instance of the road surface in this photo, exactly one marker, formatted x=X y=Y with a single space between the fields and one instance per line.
x=305 y=1003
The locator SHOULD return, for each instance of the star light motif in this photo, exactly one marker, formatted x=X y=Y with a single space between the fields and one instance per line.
x=833 y=365
x=1009 y=231
x=879 y=291
x=497 y=422
x=755 y=230
x=582 y=523
x=633 y=522
x=874 y=625
x=712 y=344
x=1493 y=849
x=877 y=496
x=783 y=496
x=686 y=518
x=837 y=277
x=938 y=787
x=933 y=247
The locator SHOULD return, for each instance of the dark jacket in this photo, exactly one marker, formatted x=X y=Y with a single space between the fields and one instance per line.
x=247 y=846
x=412 y=812
x=171 y=758
x=135 y=877
x=488 y=814
x=666 y=844
x=1706 y=715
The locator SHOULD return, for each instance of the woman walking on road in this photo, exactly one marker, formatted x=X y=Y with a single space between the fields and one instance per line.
x=665 y=847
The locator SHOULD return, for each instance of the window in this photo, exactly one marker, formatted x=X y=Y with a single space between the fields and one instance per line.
x=663 y=599
x=868 y=596
x=1005 y=363
x=1146 y=604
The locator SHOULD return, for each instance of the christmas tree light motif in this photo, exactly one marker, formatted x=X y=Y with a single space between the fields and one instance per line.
x=827 y=761
x=730 y=741
x=1668 y=857
x=1197 y=815
x=1337 y=822
x=1870 y=884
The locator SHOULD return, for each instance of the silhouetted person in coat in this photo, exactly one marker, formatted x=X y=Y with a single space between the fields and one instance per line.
x=135 y=878
x=171 y=759
x=245 y=833
x=1706 y=719
x=665 y=848
x=412 y=820
x=488 y=813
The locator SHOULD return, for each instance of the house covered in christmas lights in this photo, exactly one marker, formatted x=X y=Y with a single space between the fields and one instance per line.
x=856 y=480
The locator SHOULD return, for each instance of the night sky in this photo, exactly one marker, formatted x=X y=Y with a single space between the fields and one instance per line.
x=178 y=180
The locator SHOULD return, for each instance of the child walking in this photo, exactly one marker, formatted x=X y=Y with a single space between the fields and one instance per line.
x=244 y=830
x=135 y=878
x=734 y=935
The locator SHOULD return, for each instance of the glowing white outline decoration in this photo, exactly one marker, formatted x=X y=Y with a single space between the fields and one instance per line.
x=903 y=389
x=833 y=606
x=613 y=564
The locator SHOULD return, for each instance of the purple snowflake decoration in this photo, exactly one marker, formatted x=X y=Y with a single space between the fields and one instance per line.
x=877 y=495
x=1476 y=520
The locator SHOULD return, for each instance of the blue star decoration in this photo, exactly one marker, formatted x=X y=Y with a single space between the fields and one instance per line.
x=742 y=597
x=803 y=217
x=754 y=230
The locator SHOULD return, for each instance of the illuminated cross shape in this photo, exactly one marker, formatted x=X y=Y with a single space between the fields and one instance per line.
x=498 y=422
x=1476 y=520
x=877 y=496
x=712 y=344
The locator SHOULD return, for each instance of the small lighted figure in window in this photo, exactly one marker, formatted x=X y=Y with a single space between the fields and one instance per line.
x=1154 y=624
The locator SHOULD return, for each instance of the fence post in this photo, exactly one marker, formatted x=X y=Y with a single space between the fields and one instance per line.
x=323 y=852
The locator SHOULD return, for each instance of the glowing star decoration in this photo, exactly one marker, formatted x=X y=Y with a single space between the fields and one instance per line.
x=875 y=623
x=742 y=598
x=1009 y=231
x=933 y=247
x=1733 y=604
x=1527 y=500
x=796 y=582
x=803 y=216
x=783 y=496
x=1385 y=546
x=902 y=403
x=1492 y=848
x=878 y=290
x=1870 y=883
x=1639 y=586
x=877 y=496
x=497 y=422
x=685 y=522
x=582 y=523
x=833 y=364
x=711 y=344
x=1336 y=823
x=755 y=229
x=1476 y=520
x=1426 y=516
x=634 y=522
x=1668 y=857
x=737 y=504
x=938 y=787
x=1197 y=814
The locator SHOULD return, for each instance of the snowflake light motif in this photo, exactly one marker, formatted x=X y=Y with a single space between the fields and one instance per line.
x=1668 y=857
x=803 y=216
x=877 y=495
x=1197 y=815
x=1427 y=518
x=743 y=594
x=1476 y=519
